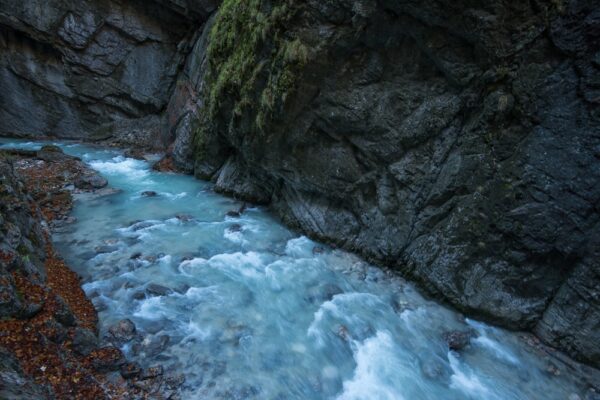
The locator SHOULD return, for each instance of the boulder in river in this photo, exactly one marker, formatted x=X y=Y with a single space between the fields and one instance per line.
x=123 y=331
x=90 y=182
x=149 y=193
x=155 y=345
x=155 y=289
x=457 y=340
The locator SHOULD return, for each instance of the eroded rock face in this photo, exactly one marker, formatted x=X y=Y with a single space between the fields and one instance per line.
x=456 y=142
x=88 y=69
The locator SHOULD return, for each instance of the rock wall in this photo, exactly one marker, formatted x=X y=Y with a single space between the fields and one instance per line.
x=457 y=141
x=93 y=69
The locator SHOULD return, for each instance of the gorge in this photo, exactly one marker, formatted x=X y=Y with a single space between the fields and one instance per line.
x=455 y=142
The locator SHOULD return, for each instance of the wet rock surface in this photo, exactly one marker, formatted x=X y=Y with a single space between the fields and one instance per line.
x=99 y=70
x=454 y=142
x=457 y=340
x=49 y=347
x=122 y=332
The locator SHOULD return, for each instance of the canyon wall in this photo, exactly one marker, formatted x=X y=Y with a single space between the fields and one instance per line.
x=455 y=141
x=93 y=69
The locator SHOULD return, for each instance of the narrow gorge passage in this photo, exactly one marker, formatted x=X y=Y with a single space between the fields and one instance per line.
x=246 y=309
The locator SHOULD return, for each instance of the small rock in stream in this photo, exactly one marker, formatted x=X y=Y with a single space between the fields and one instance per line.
x=234 y=228
x=155 y=345
x=184 y=217
x=152 y=372
x=123 y=331
x=105 y=249
x=154 y=289
x=130 y=370
x=90 y=182
x=149 y=193
x=457 y=340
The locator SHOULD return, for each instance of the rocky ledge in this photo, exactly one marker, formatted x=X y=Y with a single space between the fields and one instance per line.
x=49 y=345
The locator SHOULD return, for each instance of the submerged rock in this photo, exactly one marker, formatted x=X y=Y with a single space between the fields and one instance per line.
x=152 y=372
x=130 y=370
x=155 y=345
x=104 y=249
x=149 y=193
x=154 y=289
x=184 y=217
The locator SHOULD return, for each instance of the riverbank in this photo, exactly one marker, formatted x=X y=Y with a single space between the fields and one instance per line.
x=49 y=334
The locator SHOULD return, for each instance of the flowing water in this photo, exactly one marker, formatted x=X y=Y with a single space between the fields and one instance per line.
x=255 y=311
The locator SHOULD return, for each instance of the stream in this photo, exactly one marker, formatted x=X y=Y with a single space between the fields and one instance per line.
x=247 y=309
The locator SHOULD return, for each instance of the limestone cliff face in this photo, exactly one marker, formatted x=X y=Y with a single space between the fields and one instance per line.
x=76 y=69
x=456 y=141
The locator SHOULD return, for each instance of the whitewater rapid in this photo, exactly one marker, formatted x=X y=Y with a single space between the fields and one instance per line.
x=250 y=310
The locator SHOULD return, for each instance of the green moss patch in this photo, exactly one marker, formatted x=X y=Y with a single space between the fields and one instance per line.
x=254 y=63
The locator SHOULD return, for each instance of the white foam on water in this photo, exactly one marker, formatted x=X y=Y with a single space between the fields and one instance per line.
x=466 y=381
x=173 y=196
x=340 y=307
x=496 y=348
x=235 y=237
x=189 y=267
x=374 y=372
x=249 y=265
x=201 y=293
x=127 y=167
x=486 y=341
x=194 y=330
x=301 y=247
x=152 y=309
x=165 y=260
x=134 y=229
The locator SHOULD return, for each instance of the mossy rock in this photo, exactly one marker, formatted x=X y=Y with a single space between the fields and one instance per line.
x=255 y=61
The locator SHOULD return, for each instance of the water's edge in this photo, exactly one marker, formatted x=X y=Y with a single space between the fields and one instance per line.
x=335 y=326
